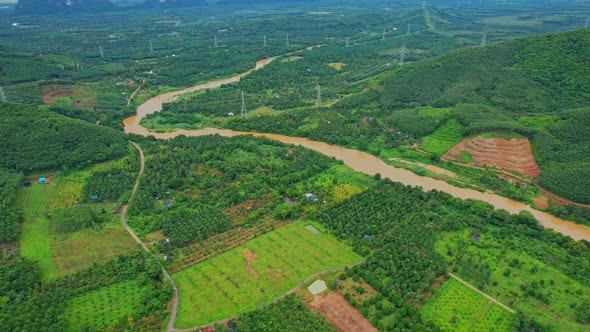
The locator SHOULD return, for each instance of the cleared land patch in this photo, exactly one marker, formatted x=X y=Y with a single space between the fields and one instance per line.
x=509 y=154
x=456 y=307
x=337 y=65
x=340 y=313
x=104 y=306
x=237 y=281
x=69 y=95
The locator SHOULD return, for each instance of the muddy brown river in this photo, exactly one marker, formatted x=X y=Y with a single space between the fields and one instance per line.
x=357 y=160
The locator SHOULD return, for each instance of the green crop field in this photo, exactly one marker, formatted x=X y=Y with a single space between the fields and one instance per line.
x=456 y=307
x=443 y=138
x=104 y=306
x=538 y=122
x=61 y=254
x=255 y=273
x=35 y=238
x=520 y=281
x=75 y=251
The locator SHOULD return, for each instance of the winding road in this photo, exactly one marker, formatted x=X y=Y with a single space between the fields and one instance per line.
x=357 y=160
x=174 y=310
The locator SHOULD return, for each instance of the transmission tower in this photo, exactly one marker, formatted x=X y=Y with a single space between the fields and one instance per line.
x=318 y=102
x=264 y=41
x=408 y=30
x=347 y=41
x=402 y=56
x=243 y=111
x=215 y=44
x=287 y=43
x=484 y=39
x=433 y=25
x=423 y=4
x=151 y=48
x=2 y=95
x=383 y=35
x=101 y=51
x=587 y=24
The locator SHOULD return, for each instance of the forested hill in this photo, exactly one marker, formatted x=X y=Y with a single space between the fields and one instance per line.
x=59 y=6
x=537 y=74
x=34 y=139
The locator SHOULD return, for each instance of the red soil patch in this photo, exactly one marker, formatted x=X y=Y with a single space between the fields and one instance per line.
x=250 y=256
x=511 y=154
x=340 y=313
x=541 y=201
x=80 y=97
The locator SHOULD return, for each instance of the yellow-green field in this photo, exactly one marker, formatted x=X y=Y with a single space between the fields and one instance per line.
x=255 y=273
x=104 y=306
x=457 y=307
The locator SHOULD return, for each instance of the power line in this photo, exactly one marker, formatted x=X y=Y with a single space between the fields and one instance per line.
x=402 y=56
x=243 y=111
x=2 y=95
x=318 y=102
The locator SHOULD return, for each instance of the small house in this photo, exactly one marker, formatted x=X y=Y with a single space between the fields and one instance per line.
x=164 y=241
x=94 y=197
x=311 y=196
x=167 y=202
x=42 y=180
x=367 y=237
x=475 y=235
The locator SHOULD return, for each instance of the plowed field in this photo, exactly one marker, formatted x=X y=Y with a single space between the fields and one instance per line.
x=510 y=154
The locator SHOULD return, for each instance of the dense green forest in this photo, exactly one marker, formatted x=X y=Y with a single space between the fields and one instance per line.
x=9 y=215
x=205 y=179
x=288 y=314
x=30 y=305
x=36 y=139
x=533 y=74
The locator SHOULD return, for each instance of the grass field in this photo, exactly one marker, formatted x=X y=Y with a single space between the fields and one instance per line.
x=443 y=138
x=60 y=254
x=35 y=238
x=255 y=273
x=75 y=251
x=106 y=305
x=456 y=307
x=538 y=122
x=520 y=281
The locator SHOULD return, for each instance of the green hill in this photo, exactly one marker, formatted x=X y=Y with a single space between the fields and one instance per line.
x=35 y=139
x=536 y=74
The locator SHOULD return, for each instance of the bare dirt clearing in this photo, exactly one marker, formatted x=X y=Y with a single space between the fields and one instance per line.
x=513 y=154
x=340 y=313
x=69 y=95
